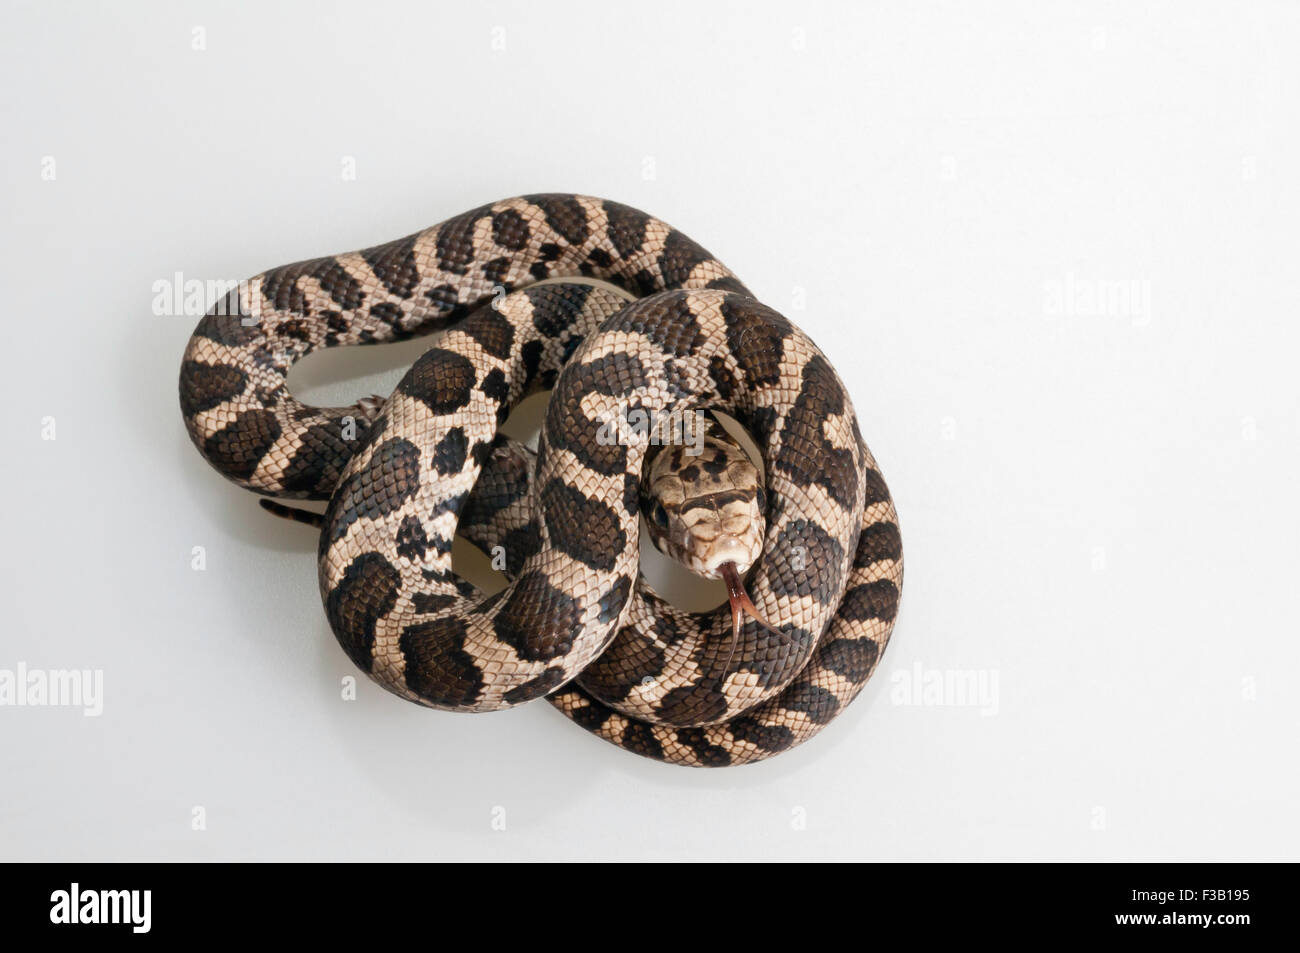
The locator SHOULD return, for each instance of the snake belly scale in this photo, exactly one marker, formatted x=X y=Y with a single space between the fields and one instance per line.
x=516 y=291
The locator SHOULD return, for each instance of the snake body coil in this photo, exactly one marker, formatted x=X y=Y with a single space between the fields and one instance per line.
x=511 y=286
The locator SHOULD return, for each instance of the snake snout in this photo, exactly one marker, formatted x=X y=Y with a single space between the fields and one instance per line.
x=727 y=548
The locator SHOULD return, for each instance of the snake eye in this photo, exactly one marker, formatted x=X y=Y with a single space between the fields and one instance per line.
x=659 y=516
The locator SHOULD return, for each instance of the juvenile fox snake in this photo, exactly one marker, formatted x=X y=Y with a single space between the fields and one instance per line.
x=516 y=290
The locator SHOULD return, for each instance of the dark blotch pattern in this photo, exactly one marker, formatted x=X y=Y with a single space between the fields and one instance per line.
x=631 y=494
x=317 y=465
x=806 y=455
x=564 y=414
x=626 y=228
x=204 y=386
x=709 y=754
x=668 y=322
x=449 y=453
x=481 y=451
x=678 y=379
x=805 y=543
x=586 y=529
x=393 y=316
x=394 y=265
x=495 y=271
x=679 y=258
x=556 y=307
x=877 y=492
x=531 y=356
x=411 y=541
x=366 y=593
x=423 y=602
x=504 y=481
x=543 y=684
x=818 y=703
x=510 y=229
x=496 y=387
x=723 y=379
x=537 y=620
x=446 y=301
x=455 y=242
x=612 y=603
x=281 y=291
x=443 y=380
x=563 y=214
x=236 y=449
x=761 y=422
x=871 y=600
x=638 y=737
x=438 y=668
x=637 y=655
x=852 y=658
x=590 y=716
x=729 y=283
x=692 y=704
x=492 y=331
x=295 y=329
x=614 y=375
x=716 y=465
x=756 y=335
x=666 y=626
x=224 y=323
x=389 y=478
x=521 y=544
x=770 y=738
x=878 y=541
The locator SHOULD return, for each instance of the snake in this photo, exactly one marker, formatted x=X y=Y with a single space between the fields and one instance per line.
x=645 y=341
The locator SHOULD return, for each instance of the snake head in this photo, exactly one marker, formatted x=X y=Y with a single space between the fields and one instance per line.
x=706 y=511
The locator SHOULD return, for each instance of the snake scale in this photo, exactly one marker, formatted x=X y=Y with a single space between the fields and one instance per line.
x=617 y=314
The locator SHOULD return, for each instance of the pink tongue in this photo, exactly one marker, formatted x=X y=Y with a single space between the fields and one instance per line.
x=740 y=606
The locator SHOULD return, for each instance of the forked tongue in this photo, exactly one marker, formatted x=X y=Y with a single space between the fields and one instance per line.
x=741 y=606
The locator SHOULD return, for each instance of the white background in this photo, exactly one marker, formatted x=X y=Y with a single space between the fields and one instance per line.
x=1098 y=503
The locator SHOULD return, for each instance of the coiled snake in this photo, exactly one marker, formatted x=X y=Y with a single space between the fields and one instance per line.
x=520 y=290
